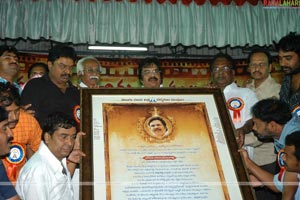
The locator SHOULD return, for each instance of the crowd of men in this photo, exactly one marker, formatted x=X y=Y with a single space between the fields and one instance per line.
x=40 y=120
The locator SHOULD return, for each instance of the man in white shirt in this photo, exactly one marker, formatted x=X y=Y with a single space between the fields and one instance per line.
x=239 y=100
x=88 y=72
x=46 y=176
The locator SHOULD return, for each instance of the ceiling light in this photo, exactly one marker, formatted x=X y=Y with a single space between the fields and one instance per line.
x=118 y=48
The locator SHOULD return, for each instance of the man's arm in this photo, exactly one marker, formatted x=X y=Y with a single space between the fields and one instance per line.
x=262 y=175
x=290 y=185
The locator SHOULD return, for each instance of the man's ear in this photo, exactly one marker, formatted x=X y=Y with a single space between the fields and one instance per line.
x=80 y=73
x=270 y=67
x=233 y=72
x=47 y=137
x=273 y=126
x=50 y=65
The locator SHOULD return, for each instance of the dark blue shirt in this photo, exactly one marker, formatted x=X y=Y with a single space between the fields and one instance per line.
x=7 y=190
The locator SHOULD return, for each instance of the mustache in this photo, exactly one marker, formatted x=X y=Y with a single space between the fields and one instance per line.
x=153 y=78
x=94 y=77
x=257 y=72
x=13 y=121
x=13 y=63
x=9 y=139
x=66 y=75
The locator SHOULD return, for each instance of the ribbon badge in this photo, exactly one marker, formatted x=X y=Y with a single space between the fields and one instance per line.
x=76 y=113
x=296 y=111
x=236 y=104
x=16 y=156
x=281 y=163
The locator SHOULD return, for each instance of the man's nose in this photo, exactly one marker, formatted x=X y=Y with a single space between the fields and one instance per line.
x=282 y=62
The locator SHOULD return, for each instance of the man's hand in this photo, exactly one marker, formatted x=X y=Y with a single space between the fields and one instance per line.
x=240 y=137
x=76 y=154
x=26 y=108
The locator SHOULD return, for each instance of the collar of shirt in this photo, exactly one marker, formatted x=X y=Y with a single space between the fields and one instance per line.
x=54 y=163
x=82 y=85
x=2 y=80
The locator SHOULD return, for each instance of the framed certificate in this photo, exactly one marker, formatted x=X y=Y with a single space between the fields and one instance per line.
x=159 y=144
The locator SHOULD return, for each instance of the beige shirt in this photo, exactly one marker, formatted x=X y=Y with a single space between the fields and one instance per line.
x=264 y=154
x=269 y=88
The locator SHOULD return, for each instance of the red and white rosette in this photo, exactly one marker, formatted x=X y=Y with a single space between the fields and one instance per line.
x=235 y=104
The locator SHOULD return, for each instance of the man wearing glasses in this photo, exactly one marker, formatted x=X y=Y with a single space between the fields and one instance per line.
x=150 y=73
x=260 y=66
x=264 y=86
x=88 y=72
x=239 y=100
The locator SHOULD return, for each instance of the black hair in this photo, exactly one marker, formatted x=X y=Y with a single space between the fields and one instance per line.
x=38 y=64
x=147 y=62
x=293 y=139
x=3 y=114
x=9 y=94
x=290 y=42
x=260 y=50
x=61 y=50
x=4 y=48
x=57 y=120
x=222 y=55
x=272 y=109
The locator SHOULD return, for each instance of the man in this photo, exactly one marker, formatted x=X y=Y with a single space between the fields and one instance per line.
x=158 y=127
x=54 y=92
x=260 y=66
x=37 y=70
x=291 y=156
x=272 y=118
x=26 y=129
x=239 y=100
x=45 y=175
x=9 y=65
x=289 y=59
x=291 y=160
x=264 y=86
x=88 y=72
x=150 y=73
x=7 y=191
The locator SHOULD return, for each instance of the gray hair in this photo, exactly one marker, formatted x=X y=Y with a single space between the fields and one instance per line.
x=80 y=67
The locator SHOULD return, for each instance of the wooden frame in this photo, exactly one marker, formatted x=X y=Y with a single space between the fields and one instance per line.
x=195 y=157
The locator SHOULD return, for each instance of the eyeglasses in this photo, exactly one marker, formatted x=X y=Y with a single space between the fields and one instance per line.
x=148 y=71
x=91 y=71
x=221 y=69
x=64 y=67
x=255 y=65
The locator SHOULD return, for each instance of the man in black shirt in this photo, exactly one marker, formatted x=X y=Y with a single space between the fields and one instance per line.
x=289 y=59
x=54 y=91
